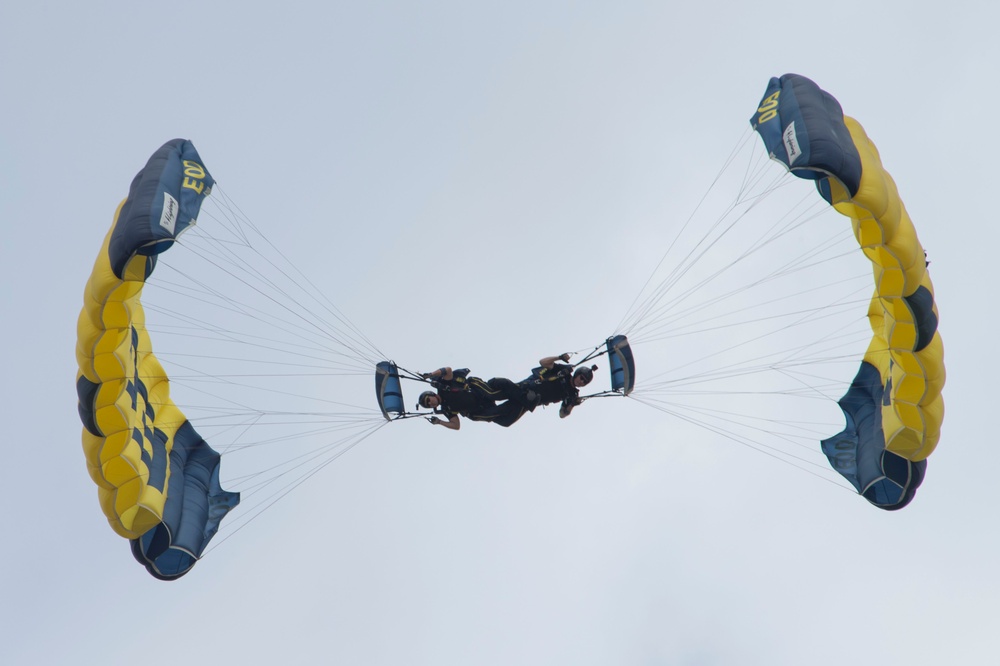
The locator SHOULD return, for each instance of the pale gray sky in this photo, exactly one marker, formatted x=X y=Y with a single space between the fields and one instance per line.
x=481 y=184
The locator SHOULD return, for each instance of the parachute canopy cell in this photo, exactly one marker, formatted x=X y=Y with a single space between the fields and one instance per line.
x=894 y=407
x=158 y=481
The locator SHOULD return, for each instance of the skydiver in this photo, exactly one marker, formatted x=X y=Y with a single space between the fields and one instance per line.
x=471 y=397
x=557 y=382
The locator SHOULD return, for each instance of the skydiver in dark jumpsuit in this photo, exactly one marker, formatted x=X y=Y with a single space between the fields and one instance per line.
x=554 y=382
x=471 y=397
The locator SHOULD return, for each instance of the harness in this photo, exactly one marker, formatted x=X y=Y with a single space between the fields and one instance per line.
x=552 y=380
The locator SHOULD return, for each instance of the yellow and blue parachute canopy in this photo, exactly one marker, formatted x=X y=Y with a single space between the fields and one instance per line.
x=893 y=408
x=158 y=481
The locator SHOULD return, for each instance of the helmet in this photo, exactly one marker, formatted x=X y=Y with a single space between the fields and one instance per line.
x=424 y=396
x=586 y=373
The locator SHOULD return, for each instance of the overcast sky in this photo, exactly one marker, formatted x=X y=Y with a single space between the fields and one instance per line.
x=479 y=185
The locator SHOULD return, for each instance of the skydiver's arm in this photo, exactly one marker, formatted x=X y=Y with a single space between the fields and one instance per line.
x=441 y=373
x=565 y=409
x=451 y=424
x=567 y=406
x=549 y=361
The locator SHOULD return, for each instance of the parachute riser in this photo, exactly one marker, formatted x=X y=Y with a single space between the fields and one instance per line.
x=604 y=394
x=408 y=415
x=597 y=352
x=413 y=376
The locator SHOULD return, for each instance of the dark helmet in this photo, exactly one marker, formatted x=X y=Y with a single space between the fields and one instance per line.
x=586 y=373
x=424 y=396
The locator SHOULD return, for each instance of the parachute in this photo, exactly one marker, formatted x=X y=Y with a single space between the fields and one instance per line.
x=158 y=480
x=893 y=409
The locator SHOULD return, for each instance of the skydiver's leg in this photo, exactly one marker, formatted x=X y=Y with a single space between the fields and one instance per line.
x=510 y=413
x=521 y=394
x=485 y=390
x=489 y=413
x=503 y=414
x=504 y=387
